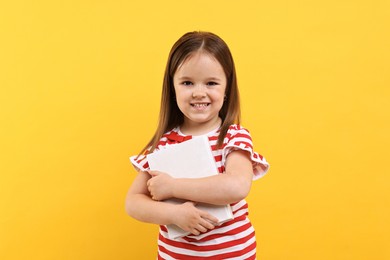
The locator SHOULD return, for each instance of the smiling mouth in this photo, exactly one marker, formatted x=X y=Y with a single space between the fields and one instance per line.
x=200 y=105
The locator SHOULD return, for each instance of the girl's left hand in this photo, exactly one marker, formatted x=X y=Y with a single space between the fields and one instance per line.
x=160 y=185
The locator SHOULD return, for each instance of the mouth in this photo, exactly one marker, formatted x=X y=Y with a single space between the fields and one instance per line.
x=200 y=105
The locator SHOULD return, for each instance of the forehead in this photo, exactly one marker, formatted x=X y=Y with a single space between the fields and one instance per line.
x=201 y=63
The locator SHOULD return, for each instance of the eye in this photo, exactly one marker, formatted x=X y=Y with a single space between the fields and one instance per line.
x=187 y=83
x=212 y=83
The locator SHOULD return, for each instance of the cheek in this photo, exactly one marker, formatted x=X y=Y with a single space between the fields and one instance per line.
x=219 y=95
x=181 y=99
x=179 y=95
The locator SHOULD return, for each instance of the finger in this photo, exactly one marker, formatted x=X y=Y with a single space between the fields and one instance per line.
x=207 y=224
x=195 y=232
x=202 y=228
x=210 y=218
x=153 y=173
x=149 y=187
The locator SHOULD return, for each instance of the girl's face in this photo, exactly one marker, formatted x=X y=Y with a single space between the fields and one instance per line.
x=200 y=84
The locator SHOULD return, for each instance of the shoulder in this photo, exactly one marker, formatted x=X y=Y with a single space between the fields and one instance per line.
x=237 y=131
x=237 y=128
x=239 y=138
x=170 y=137
x=169 y=133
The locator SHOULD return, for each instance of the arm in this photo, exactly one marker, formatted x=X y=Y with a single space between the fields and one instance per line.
x=142 y=207
x=220 y=189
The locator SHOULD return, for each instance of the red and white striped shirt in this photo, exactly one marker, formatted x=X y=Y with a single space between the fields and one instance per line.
x=232 y=240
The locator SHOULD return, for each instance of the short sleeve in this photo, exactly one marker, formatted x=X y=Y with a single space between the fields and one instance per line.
x=139 y=162
x=239 y=138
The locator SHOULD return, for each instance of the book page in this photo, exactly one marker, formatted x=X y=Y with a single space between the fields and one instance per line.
x=189 y=159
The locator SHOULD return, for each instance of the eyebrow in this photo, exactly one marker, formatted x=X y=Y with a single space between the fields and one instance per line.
x=189 y=78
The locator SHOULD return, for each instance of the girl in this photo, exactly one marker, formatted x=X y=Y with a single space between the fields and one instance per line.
x=200 y=97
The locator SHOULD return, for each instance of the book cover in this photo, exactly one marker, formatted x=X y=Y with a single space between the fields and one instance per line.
x=189 y=159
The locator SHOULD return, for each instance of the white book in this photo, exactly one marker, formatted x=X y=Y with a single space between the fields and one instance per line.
x=189 y=159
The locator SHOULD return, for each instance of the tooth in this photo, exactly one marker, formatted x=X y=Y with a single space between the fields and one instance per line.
x=200 y=105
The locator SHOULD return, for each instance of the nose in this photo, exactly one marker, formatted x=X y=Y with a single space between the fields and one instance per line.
x=199 y=91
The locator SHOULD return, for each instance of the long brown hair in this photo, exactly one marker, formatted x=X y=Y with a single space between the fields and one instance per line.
x=170 y=114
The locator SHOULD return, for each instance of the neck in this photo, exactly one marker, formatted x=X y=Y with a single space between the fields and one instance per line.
x=200 y=128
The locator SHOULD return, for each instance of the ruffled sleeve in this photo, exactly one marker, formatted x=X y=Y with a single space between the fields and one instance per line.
x=238 y=138
x=140 y=162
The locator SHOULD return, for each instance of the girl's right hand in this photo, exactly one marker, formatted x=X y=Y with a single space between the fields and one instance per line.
x=193 y=220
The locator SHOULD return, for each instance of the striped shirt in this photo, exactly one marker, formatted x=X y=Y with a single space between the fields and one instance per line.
x=234 y=239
